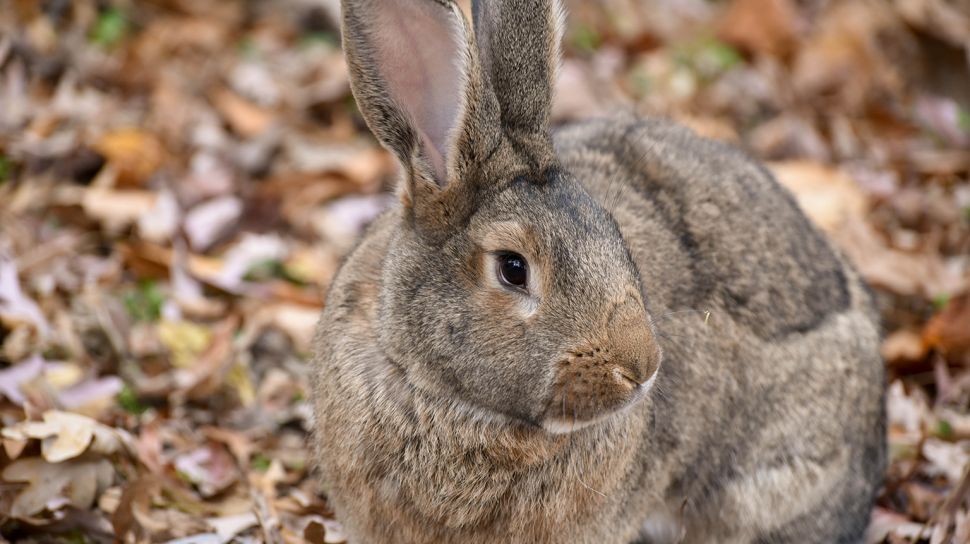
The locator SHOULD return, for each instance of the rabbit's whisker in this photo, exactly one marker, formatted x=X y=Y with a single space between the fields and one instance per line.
x=598 y=492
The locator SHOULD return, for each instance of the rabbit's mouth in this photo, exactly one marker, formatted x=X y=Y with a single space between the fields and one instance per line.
x=590 y=387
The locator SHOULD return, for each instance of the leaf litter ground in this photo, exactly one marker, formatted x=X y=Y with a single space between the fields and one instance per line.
x=180 y=179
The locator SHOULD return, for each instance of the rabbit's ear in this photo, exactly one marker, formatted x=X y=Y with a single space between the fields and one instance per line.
x=415 y=75
x=519 y=42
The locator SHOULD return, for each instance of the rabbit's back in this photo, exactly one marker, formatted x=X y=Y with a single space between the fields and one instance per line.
x=770 y=395
x=723 y=231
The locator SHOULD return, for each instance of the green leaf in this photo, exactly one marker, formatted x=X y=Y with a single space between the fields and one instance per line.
x=110 y=28
x=963 y=119
x=248 y=48
x=940 y=301
x=944 y=430
x=74 y=536
x=640 y=82
x=724 y=56
x=128 y=401
x=271 y=269
x=707 y=56
x=585 y=39
x=145 y=302
x=260 y=462
x=320 y=37
x=5 y=168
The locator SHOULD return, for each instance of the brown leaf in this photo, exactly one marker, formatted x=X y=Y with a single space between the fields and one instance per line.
x=827 y=195
x=900 y=272
x=246 y=118
x=117 y=209
x=949 y=330
x=134 y=153
x=768 y=27
x=903 y=346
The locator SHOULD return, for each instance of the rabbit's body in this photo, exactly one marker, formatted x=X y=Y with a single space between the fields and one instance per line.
x=456 y=407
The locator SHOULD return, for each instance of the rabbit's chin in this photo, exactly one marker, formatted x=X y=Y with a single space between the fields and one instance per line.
x=555 y=424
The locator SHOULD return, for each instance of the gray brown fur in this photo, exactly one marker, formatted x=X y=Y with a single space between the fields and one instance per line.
x=656 y=255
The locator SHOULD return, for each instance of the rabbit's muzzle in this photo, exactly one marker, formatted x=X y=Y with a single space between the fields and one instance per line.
x=602 y=377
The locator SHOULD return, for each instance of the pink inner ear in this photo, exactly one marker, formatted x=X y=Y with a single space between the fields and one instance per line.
x=419 y=48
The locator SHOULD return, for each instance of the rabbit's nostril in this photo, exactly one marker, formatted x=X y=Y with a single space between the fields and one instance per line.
x=626 y=377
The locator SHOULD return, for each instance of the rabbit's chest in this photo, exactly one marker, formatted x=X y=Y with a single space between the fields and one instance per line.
x=446 y=491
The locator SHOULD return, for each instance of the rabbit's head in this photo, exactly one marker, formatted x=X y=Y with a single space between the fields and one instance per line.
x=506 y=289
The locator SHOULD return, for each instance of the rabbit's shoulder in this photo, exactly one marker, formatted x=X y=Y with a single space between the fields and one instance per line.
x=708 y=226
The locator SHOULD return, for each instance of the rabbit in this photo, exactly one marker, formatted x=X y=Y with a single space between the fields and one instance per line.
x=613 y=331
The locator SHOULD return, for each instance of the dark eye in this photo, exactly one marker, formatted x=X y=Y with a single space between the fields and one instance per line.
x=513 y=270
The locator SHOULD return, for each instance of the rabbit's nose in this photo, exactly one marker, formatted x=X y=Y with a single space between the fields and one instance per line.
x=634 y=347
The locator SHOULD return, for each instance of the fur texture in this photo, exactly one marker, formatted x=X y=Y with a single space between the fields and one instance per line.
x=689 y=360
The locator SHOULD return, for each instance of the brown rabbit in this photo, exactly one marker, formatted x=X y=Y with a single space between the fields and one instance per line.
x=618 y=333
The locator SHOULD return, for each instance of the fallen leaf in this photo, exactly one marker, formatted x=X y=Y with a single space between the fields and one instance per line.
x=210 y=468
x=160 y=222
x=11 y=378
x=100 y=391
x=205 y=223
x=134 y=153
x=297 y=321
x=342 y=221
x=768 y=27
x=903 y=346
x=949 y=330
x=251 y=250
x=184 y=340
x=951 y=459
x=885 y=522
x=65 y=435
x=15 y=306
x=362 y=163
x=844 y=56
x=246 y=118
x=117 y=209
x=828 y=196
x=228 y=527
x=896 y=271
x=79 y=481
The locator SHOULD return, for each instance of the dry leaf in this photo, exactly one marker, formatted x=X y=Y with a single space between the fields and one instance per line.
x=11 y=378
x=228 y=527
x=210 y=468
x=117 y=209
x=160 y=222
x=828 y=196
x=949 y=330
x=205 y=223
x=903 y=346
x=899 y=272
x=66 y=435
x=243 y=116
x=769 y=27
x=134 y=153
x=184 y=340
x=79 y=481
x=15 y=306
x=948 y=458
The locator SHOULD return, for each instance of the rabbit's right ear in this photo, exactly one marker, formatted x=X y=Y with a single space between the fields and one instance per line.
x=415 y=76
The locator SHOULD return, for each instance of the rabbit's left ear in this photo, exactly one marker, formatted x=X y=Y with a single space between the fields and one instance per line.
x=414 y=72
x=519 y=46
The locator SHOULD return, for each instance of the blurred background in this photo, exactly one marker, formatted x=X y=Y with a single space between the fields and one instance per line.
x=179 y=180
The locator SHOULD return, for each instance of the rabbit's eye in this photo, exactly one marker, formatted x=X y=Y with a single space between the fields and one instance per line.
x=513 y=270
